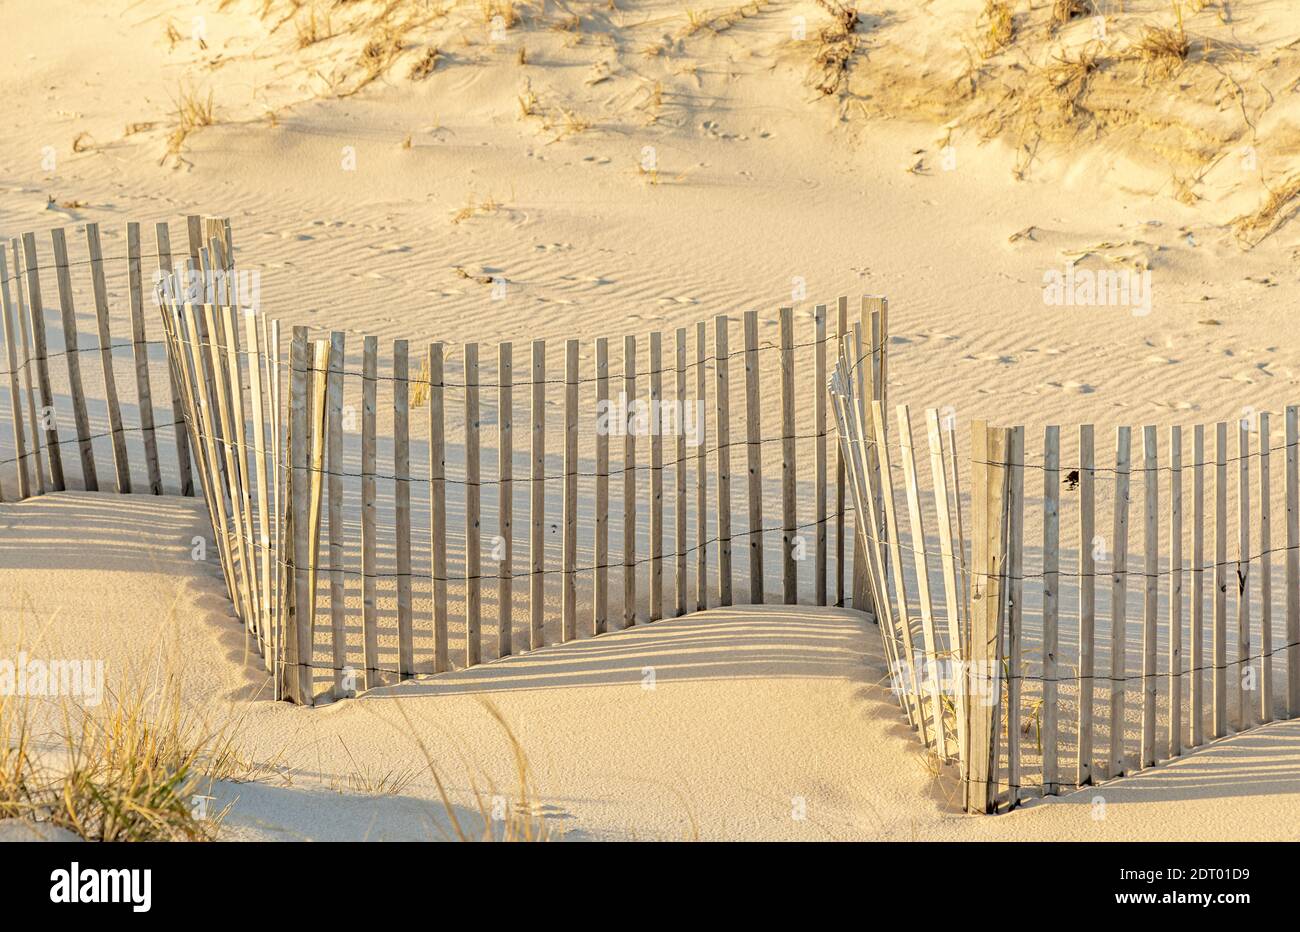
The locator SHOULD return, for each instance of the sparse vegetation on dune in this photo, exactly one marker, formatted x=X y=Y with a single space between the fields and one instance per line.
x=1279 y=206
x=193 y=112
x=138 y=770
x=837 y=44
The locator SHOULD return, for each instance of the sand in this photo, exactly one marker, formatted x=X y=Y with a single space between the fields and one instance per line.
x=754 y=722
x=634 y=173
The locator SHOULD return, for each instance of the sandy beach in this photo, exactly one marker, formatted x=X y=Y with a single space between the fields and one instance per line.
x=483 y=171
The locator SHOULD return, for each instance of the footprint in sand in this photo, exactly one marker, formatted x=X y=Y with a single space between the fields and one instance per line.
x=1078 y=388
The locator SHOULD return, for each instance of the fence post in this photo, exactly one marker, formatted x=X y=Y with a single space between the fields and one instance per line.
x=1119 y=602
x=789 y=503
x=402 y=506
x=15 y=399
x=121 y=467
x=473 y=508
x=754 y=457
x=1219 y=715
x=722 y=408
x=1051 y=579
x=24 y=334
x=1292 y=481
x=988 y=563
x=369 y=560
x=537 y=503
x=1175 y=744
x=506 y=497
x=162 y=236
x=1087 y=603
x=36 y=310
x=679 y=477
x=298 y=633
x=819 y=450
x=569 y=592
x=72 y=356
x=438 y=508
x=1150 y=601
x=1265 y=577
x=655 y=421
x=701 y=472
x=334 y=455
x=1244 y=712
x=600 y=548
x=629 y=427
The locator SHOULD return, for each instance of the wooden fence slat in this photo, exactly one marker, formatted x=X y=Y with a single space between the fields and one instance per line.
x=239 y=437
x=162 y=235
x=266 y=619
x=1197 y=685
x=219 y=401
x=1219 y=715
x=841 y=332
x=190 y=350
x=72 y=357
x=722 y=418
x=1150 y=585
x=819 y=452
x=600 y=548
x=506 y=500
x=679 y=477
x=298 y=635
x=701 y=472
x=473 y=513
x=880 y=442
x=930 y=665
x=402 y=506
x=1244 y=714
x=1175 y=738
x=656 y=423
x=1119 y=602
x=15 y=399
x=1292 y=573
x=121 y=466
x=952 y=611
x=754 y=457
x=862 y=485
x=334 y=465
x=1087 y=603
x=369 y=531
x=1051 y=582
x=25 y=336
x=537 y=502
x=629 y=427
x=1265 y=576
x=438 y=508
x=569 y=556
x=1015 y=608
x=275 y=391
x=315 y=512
x=789 y=488
x=36 y=310
x=989 y=448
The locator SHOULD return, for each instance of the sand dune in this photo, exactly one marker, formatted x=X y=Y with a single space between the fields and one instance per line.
x=624 y=167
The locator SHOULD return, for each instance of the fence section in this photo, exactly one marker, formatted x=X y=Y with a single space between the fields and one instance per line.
x=1008 y=664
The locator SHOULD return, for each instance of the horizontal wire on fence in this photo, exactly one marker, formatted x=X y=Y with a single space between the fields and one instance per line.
x=64 y=441
x=98 y=348
x=488 y=383
x=640 y=561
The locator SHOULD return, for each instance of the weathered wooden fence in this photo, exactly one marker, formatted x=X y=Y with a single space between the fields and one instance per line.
x=49 y=404
x=365 y=510
x=998 y=650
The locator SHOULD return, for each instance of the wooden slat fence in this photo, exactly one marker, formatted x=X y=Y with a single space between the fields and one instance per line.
x=1009 y=665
